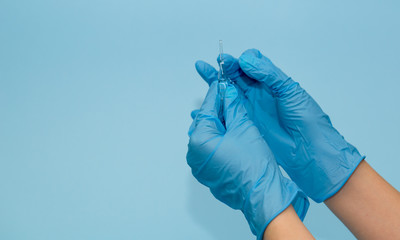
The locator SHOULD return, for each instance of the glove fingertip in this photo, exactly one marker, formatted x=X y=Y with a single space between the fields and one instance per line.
x=194 y=113
x=248 y=64
x=227 y=58
x=206 y=71
x=255 y=65
x=252 y=52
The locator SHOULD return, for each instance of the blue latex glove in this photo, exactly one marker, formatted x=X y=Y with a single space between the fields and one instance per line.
x=235 y=162
x=299 y=133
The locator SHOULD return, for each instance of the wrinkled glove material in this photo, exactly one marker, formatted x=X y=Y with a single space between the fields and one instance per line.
x=299 y=133
x=235 y=162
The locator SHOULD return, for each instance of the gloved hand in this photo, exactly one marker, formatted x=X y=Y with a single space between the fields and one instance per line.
x=236 y=163
x=299 y=133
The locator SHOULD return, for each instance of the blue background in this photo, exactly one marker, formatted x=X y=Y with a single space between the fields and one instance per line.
x=95 y=101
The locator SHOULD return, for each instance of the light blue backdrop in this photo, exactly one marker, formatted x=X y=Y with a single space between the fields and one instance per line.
x=95 y=101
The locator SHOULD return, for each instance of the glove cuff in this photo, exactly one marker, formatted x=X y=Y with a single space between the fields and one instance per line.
x=263 y=205
x=336 y=186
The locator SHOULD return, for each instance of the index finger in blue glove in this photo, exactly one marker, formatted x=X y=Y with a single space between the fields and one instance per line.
x=260 y=68
x=207 y=120
x=207 y=72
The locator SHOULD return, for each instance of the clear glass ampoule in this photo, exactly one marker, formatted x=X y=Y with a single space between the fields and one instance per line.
x=223 y=82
